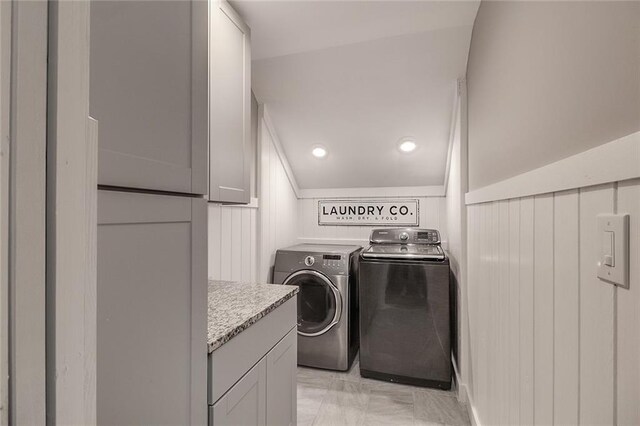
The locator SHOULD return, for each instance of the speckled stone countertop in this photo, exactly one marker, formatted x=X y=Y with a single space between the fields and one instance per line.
x=235 y=306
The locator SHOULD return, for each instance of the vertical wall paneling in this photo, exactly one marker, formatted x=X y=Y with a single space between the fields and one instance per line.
x=566 y=345
x=473 y=298
x=214 y=241
x=543 y=309
x=549 y=342
x=232 y=242
x=279 y=206
x=236 y=238
x=484 y=292
x=526 y=310
x=513 y=351
x=503 y=311
x=596 y=319
x=227 y=248
x=628 y=315
x=493 y=359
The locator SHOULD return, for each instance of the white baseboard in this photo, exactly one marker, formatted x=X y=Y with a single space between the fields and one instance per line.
x=463 y=391
x=464 y=397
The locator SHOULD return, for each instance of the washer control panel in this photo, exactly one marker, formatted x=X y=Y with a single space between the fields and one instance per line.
x=333 y=260
x=405 y=236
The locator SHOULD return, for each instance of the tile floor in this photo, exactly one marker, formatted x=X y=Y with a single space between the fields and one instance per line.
x=335 y=398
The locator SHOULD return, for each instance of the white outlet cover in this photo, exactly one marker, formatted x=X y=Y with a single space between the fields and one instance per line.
x=618 y=224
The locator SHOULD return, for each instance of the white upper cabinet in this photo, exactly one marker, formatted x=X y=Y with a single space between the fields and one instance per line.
x=229 y=105
x=149 y=93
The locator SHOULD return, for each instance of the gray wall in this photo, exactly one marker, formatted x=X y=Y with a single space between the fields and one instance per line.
x=547 y=80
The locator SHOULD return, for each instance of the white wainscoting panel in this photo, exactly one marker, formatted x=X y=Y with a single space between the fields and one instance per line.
x=278 y=212
x=232 y=243
x=596 y=314
x=566 y=270
x=628 y=315
x=550 y=343
x=432 y=215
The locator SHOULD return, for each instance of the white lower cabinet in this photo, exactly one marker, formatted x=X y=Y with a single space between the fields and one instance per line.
x=245 y=402
x=282 y=364
x=252 y=378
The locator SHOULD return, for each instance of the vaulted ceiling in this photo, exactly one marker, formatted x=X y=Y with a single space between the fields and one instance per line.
x=356 y=77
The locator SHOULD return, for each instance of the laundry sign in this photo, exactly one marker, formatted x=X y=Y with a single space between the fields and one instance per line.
x=369 y=212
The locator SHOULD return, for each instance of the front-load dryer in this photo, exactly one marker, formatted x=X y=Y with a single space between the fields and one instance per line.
x=328 y=331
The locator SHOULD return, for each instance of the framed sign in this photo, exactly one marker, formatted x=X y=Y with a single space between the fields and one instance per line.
x=369 y=212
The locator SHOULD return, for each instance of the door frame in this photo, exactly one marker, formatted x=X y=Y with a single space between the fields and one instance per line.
x=5 y=149
x=26 y=211
x=71 y=219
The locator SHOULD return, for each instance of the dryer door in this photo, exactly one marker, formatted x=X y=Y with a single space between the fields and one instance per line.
x=319 y=302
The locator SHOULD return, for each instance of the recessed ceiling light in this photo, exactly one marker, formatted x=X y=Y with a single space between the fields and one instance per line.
x=407 y=145
x=319 y=151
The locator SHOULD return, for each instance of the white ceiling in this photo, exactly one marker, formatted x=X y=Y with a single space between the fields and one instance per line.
x=357 y=76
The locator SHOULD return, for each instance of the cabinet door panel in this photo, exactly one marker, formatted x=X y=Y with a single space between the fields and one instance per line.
x=244 y=404
x=148 y=92
x=282 y=363
x=230 y=105
x=151 y=325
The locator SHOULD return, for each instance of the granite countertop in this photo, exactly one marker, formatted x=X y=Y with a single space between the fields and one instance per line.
x=235 y=306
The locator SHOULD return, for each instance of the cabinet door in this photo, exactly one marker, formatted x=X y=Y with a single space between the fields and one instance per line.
x=151 y=309
x=229 y=105
x=282 y=363
x=244 y=403
x=148 y=91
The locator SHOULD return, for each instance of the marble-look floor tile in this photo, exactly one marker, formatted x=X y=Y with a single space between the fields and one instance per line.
x=439 y=408
x=316 y=373
x=382 y=420
x=344 y=398
x=311 y=392
x=344 y=404
x=421 y=422
x=385 y=408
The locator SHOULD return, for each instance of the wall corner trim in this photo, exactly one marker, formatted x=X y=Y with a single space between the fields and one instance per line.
x=452 y=134
x=262 y=112
x=612 y=162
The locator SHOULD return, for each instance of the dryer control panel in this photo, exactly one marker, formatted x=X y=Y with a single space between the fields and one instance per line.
x=333 y=261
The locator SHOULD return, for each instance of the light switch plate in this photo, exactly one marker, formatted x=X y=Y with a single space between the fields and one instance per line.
x=614 y=228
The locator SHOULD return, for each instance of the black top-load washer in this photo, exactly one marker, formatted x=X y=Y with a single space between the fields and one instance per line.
x=405 y=326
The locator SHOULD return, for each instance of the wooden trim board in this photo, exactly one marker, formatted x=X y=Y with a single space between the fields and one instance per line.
x=27 y=213
x=5 y=148
x=71 y=246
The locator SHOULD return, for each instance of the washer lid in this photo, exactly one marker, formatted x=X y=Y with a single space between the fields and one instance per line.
x=404 y=251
